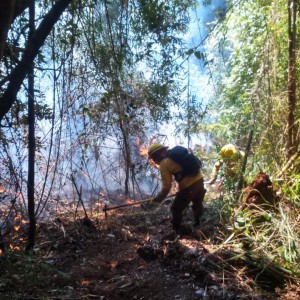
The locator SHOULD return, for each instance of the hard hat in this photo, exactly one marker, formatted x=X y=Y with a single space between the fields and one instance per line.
x=154 y=147
x=228 y=151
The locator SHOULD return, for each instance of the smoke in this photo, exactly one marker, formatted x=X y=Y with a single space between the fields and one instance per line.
x=204 y=19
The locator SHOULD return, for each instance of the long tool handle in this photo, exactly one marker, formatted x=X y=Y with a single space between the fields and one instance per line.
x=106 y=208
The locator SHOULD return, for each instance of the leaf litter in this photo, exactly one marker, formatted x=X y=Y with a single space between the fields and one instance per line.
x=135 y=254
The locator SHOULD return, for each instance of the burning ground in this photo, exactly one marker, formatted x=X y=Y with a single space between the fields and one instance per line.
x=134 y=254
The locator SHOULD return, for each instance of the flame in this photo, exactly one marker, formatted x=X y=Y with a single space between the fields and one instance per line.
x=143 y=151
x=14 y=248
x=113 y=264
x=17 y=227
x=152 y=162
x=17 y=218
x=128 y=201
x=2 y=189
x=132 y=202
x=1 y=251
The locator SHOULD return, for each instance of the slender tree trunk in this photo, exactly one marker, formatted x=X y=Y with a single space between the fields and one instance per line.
x=292 y=30
x=126 y=154
x=31 y=142
x=244 y=163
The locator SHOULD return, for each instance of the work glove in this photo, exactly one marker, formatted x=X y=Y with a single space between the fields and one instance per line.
x=212 y=181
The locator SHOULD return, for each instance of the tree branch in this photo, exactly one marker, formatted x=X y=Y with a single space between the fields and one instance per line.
x=289 y=163
x=21 y=70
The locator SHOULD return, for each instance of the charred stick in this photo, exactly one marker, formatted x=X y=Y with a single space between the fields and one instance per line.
x=79 y=192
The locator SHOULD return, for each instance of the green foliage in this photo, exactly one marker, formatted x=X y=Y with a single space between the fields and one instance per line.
x=291 y=189
x=26 y=272
x=249 y=56
x=272 y=234
x=163 y=17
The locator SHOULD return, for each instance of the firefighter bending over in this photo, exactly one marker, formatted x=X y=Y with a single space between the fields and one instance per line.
x=231 y=158
x=190 y=182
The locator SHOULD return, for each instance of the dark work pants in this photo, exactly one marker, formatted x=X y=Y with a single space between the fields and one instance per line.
x=195 y=194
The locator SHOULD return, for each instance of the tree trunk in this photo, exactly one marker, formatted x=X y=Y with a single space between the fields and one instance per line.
x=291 y=146
x=36 y=42
x=126 y=153
x=31 y=143
x=244 y=163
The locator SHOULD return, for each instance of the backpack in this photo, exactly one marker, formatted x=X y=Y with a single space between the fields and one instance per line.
x=189 y=163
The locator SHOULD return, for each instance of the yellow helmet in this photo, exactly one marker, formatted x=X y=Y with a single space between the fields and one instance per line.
x=228 y=151
x=154 y=147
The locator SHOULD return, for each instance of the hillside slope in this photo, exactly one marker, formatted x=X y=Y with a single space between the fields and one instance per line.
x=134 y=254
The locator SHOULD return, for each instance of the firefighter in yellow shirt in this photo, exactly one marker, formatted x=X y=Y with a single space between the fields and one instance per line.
x=231 y=159
x=190 y=188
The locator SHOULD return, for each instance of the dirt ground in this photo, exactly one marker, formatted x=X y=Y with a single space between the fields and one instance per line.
x=134 y=254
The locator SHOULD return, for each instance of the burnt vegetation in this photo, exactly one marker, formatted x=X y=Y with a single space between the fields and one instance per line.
x=132 y=253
